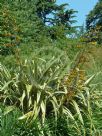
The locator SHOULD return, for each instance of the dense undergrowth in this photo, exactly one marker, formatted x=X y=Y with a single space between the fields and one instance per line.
x=52 y=93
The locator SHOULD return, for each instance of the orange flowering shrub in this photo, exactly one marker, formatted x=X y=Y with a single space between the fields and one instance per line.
x=9 y=31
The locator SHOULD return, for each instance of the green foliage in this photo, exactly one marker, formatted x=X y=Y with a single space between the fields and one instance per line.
x=8 y=121
x=18 y=25
x=94 y=23
x=94 y=18
x=8 y=31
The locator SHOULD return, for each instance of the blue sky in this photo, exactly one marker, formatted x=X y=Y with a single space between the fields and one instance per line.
x=82 y=6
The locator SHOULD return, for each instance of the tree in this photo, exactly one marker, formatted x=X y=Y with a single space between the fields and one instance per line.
x=94 y=18
x=54 y=15
x=64 y=16
x=43 y=8
x=61 y=21
x=94 y=22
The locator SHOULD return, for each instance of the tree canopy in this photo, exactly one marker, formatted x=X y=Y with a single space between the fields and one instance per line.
x=94 y=18
x=94 y=23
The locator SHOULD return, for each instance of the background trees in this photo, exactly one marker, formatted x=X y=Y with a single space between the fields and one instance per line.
x=94 y=18
x=94 y=23
x=27 y=21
